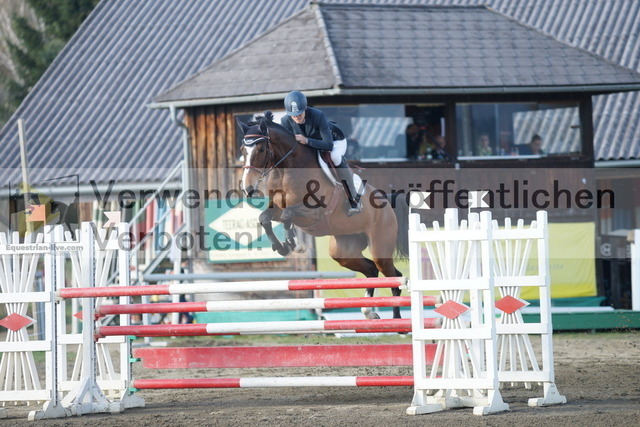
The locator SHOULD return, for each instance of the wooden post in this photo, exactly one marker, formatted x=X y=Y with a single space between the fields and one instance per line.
x=25 y=171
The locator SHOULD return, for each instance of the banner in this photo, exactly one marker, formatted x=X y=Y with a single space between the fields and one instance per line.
x=571 y=264
x=234 y=233
x=572 y=261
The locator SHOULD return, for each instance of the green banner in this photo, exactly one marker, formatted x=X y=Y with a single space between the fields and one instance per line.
x=234 y=234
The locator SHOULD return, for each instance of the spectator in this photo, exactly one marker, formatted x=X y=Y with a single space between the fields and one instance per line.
x=415 y=141
x=484 y=145
x=439 y=153
x=533 y=147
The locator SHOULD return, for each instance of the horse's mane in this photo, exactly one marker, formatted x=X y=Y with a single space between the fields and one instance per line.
x=267 y=119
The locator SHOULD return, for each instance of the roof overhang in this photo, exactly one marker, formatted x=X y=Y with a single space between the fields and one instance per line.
x=245 y=99
x=493 y=90
x=104 y=187
x=625 y=163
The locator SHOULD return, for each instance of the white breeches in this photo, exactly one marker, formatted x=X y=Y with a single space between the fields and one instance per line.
x=339 y=148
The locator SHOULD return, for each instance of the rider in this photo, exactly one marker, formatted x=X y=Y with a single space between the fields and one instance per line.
x=311 y=128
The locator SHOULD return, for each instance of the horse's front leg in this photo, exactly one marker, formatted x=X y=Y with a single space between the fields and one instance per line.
x=265 y=219
x=288 y=214
x=370 y=314
x=292 y=240
x=368 y=311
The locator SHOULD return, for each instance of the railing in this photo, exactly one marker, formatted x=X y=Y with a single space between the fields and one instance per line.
x=145 y=249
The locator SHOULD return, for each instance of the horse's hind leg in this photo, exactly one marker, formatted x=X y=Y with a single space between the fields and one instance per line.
x=382 y=248
x=396 y=293
x=347 y=251
x=391 y=271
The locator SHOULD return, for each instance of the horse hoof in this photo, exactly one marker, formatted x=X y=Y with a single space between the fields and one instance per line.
x=373 y=316
x=301 y=248
x=283 y=251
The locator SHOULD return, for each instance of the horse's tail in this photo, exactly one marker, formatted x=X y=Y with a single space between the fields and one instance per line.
x=401 y=209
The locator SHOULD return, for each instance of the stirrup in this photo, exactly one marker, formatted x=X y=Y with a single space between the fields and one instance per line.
x=351 y=211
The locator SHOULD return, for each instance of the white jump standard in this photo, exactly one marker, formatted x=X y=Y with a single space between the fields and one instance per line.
x=472 y=261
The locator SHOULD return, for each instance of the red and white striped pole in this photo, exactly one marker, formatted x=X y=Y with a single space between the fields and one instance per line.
x=260 y=382
x=263 y=305
x=283 y=327
x=226 y=287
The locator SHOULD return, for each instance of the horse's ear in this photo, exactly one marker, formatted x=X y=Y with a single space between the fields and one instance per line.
x=268 y=115
x=242 y=126
x=263 y=127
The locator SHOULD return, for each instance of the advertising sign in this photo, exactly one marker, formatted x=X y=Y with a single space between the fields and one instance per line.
x=234 y=234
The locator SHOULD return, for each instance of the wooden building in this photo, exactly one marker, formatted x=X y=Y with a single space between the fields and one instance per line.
x=375 y=70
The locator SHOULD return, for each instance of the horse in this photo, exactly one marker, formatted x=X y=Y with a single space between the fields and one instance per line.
x=300 y=194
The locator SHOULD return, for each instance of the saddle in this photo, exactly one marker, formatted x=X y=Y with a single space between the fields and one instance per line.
x=324 y=225
x=324 y=157
x=329 y=169
x=327 y=166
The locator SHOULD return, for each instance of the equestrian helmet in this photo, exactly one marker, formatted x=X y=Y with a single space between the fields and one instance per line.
x=295 y=103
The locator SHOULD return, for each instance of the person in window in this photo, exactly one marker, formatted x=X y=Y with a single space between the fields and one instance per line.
x=415 y=141
x=533 y=147
x=439 y=153
x=311 y=127
x=484 y=145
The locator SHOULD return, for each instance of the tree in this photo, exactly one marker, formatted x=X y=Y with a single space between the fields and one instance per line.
x=37 y=38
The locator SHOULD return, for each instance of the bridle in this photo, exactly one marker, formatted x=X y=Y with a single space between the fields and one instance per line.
x=270 y=157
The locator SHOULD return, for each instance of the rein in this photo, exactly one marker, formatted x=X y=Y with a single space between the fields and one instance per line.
x=266 y=138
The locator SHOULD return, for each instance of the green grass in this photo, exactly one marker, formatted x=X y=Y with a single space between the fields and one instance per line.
x=624 y=334
x=39 y=357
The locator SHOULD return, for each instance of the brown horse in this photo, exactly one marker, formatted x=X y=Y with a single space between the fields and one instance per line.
x=301 y=194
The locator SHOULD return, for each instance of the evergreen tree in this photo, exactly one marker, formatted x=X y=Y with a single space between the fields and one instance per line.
x=37 y=48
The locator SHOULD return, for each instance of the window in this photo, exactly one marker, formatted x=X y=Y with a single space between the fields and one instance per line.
x=378 y=132
x=491 y=130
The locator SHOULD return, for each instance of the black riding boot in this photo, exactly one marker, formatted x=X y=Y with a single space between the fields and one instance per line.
x=346 y=178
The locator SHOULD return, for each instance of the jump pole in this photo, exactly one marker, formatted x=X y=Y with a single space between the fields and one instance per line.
x=282 y=327
x=226 y=287
x=262 y=382
x=263 y=305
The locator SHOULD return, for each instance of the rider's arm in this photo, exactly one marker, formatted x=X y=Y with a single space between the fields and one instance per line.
x=288 y=123
x=322 y=124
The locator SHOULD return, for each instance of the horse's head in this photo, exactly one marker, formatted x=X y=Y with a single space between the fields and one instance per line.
x=266 y=145
x=257 y=154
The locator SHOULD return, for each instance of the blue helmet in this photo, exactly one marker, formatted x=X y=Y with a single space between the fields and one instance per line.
x=295 y=103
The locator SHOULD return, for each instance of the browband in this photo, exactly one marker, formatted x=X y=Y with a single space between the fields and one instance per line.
x=251 y=142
